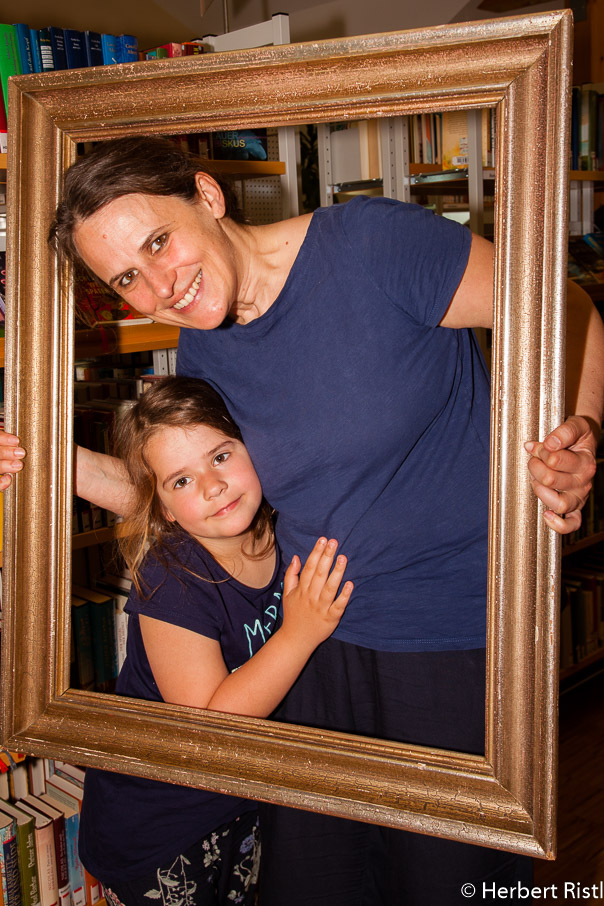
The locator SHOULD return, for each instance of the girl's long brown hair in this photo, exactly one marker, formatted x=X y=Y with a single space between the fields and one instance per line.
x=179 y=402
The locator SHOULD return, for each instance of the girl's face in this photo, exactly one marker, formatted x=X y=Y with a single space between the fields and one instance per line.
x=170 y=259
x=206 y=483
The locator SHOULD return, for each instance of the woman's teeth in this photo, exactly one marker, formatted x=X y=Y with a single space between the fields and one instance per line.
x=190 y=294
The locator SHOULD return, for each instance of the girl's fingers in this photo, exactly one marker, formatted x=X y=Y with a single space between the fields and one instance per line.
x=291 y=577
x=339 y=605
x=313 y=560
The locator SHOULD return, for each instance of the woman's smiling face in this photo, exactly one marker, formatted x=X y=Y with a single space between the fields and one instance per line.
x=170 y=259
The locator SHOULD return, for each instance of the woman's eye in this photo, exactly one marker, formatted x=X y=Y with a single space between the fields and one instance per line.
x=158 y=243
x=127 y=278
x=220 y=458
x=181 y=482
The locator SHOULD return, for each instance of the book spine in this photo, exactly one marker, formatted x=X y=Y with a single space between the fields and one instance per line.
x=35 y=49
x=28 y=864
x=46 y=57
x=127 y=48
x=24 y=46
x=47 y=865
x=9 y=57
x=94 y=48
x=57 y=41
x=109 y=45
x=9 y=865
x=77 y=881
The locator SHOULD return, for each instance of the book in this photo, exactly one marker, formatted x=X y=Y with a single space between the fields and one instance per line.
x=47 y=61
x=71 y=816
x=58 y=825
x=3 y=143
x=83 y=677
x=94 y=48
x=18 y=781
x=26 y=851
x=75 y=49
x=127 y=48
x=10 y=64
x=109 y=45
x=9 y=862
x=45 y=854
x=24 y=46
x=35 y=771
x=34 y=41
x=57 y=42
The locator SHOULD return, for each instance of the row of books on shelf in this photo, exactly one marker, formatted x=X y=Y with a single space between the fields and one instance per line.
x=587 y=127
x=40 y=803
x=582 y=611
x=103 y=389
x=443 y=138
x=99 y=627
x=25 y=50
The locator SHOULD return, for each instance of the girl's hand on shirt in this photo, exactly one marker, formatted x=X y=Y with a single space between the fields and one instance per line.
x=312 y=607
x=561 y=469
x=11 y=458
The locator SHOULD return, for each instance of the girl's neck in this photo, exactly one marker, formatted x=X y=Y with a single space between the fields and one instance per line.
x=251 y=561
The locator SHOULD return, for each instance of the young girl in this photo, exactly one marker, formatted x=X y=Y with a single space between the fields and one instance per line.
x=204 y=631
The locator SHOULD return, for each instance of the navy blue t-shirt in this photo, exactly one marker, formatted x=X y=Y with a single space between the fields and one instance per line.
x=368 y=422
x=131 y=825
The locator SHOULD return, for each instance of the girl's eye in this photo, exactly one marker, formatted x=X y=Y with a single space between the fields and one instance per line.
x=158 y=243
x=127 y=278
x=221 y=458
x=181 y=482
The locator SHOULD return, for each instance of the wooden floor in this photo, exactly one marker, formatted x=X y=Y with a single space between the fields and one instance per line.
x=581 y=798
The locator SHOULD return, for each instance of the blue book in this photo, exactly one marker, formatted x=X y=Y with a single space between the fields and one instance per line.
x=24 y=45
x=34 y=39
x=57 y=40
x=46 y=55
x=127 y=48
x=109 y=45
x=94 y=48
x=75 y=49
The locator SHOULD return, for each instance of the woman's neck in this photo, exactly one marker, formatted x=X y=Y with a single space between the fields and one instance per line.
x=265 y=256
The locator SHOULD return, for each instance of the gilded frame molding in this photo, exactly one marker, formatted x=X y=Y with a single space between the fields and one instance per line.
x=522 y=67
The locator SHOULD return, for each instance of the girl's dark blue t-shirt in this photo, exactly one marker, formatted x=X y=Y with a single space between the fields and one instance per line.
x=130 y=825
x=368 y=422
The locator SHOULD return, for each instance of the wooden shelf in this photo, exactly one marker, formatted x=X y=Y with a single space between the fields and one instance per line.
x=583 y=544
x=107 y=340
x=97 y=536
x=126 y=338
x=248 y=169
x=585 y=662
x=587 y=175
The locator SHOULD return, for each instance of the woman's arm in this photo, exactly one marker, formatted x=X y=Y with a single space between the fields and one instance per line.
x=103 y=480
x=189 y=668
x=563 y=464
x=99 y=478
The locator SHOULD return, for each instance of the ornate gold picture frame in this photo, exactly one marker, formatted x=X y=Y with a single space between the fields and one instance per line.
x=521 y=67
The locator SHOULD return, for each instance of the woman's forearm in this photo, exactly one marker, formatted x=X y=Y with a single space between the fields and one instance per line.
x=585 y=358
x=102 y=480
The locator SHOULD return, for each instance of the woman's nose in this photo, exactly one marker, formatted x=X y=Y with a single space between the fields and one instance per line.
x=161 y=280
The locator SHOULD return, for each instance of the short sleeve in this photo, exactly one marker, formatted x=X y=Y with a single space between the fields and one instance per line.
x=415 y=257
